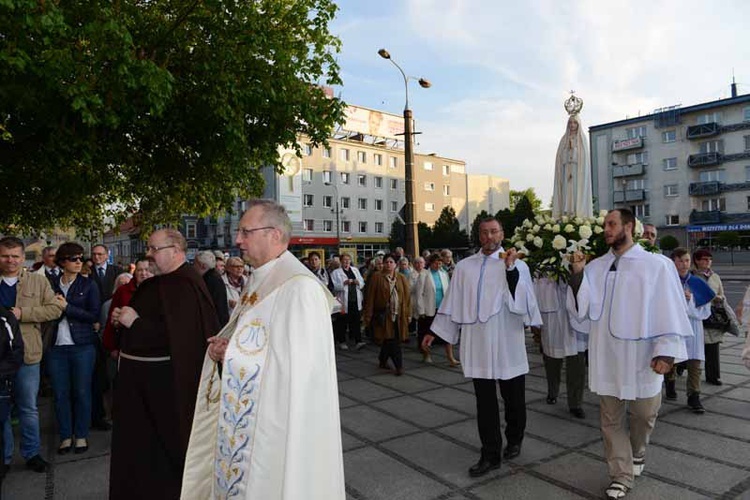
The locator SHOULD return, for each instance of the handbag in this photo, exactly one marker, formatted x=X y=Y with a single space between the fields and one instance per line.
x=722 y=318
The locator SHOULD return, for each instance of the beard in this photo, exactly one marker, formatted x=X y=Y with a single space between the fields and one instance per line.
x=490 y=247
x=619 y=240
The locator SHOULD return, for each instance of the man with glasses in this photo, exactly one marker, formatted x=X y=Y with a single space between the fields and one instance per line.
x=31 y=299
x=103 y=272
x=163 y=333
x=267 y=413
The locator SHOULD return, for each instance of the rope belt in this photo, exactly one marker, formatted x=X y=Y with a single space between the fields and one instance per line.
x=147 y=359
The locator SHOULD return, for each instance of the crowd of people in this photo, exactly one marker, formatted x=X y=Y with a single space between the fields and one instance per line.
x=234 y=358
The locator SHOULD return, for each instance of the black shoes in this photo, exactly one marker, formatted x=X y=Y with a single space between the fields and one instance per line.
x=578 y=412
x=511 y=451
x=65 y=447
x=694 y=403
x=37 y=464
x=483 y=467
x=551 y=400
x=715 y=381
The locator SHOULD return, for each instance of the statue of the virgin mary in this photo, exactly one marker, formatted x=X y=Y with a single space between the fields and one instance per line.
x=572 y=190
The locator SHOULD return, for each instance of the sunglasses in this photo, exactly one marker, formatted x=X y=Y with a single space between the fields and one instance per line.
x=74 y=259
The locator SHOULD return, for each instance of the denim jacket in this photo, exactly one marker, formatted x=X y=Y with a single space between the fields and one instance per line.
x=82 y=310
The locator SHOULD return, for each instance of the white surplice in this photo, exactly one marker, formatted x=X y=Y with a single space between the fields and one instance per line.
x=269 y=427
x=559 y=340
x=694 y=345
x=479 y=308
x=637 y=313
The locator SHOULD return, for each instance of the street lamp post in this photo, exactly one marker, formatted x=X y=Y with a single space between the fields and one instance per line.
x=338 y=212
x=410 y=212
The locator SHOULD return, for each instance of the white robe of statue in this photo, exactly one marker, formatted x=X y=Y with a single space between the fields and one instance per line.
x=572 y=190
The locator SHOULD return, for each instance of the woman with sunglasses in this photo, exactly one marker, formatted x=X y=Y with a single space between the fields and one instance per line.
x=72 y=355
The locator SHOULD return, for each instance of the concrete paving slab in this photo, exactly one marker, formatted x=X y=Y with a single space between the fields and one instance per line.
x=702 y=443
x=377 y=476
x=452 y=398
x=349 y=442
x=405 y=383
x=718 y=424
x=740 y=393
x=465 y=433
x=362 y=390
x=68 y=484
x=421 y=413
x=345 y=402
x=523 y=485
x=726 y=406
x=577 y=471
x=449 y=376
x=562 y=432
x=373 y=425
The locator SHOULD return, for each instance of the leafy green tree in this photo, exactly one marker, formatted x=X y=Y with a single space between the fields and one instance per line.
x=729 y=239
x=475 y=228
x=161 y=108
x=530 y=194
x=523 y=211
x=447 y=232
x=668 y=242
x=505 y=216
x=424 y=233
x=397 y=238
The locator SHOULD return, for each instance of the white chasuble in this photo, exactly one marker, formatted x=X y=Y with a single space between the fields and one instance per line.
x=269 y=427
x=559 y=340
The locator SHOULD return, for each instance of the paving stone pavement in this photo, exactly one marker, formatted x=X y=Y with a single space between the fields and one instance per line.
x=414 y=437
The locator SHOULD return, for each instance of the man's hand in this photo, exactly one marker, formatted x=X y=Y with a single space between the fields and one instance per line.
x=217 y=347
x=688 y=294
x=232 y=303
x=662 y=364
x=577 y=262
x=61 y=300
x=16 y=312
x=115 y=354
x=510 y=258
x=124 y=316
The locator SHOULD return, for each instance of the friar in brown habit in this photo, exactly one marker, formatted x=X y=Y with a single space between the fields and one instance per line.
x=163 y=336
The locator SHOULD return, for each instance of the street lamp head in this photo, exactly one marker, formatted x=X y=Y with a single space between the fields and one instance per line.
x=384 y=54
x=425 y=84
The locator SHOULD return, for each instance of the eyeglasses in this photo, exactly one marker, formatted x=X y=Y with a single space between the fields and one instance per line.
x=247 y=232
x=153 y=249
x=74 y=259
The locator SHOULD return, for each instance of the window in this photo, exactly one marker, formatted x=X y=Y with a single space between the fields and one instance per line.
x=327 y=177
x=327 y=226
x=346 y=202
x=714 y=204
x=379 y=182
x=393 y=162
x=748 y=203
x=672 y=220
x=394 y=183
x=747 y=142
x=307 y=200
x=716 y=146
x=362 y=180
x=346 y=226
x=378 y=159
x=712 y=175
x=427 y=165
x=429 y=186
x=361 y=157
x=344 y=177
x=669 y=136
x=634 y=132
x=671 y=190
x=307 y=175
x=362 y=226
x=308 y=224
x=378 y=205
x=641 y=211
x=669 y=163
x=709 y=118
x=641 y=157
x=446 y=170
x=747 y=174
x=307 y=148
x=328 y=202
x=344 y=154
x=394 y=206
x=636 y=184
x=326 y=152
x=429 y=207
x=746 y=114
x=191 y=230
x=379 y=227
x=446 y=190
x=362 y=203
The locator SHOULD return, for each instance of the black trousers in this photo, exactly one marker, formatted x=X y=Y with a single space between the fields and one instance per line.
x=513 y=392
x=711 y=365
x=391 y=348
x=575 y=377
x=349 y=322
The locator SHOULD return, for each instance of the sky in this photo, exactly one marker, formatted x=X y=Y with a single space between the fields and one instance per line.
x=501 y=70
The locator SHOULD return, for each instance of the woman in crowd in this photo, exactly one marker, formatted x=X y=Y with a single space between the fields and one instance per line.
x=387 y=309
x=120 y=298
x=348 y=285
x=431 y=288
x=413 y=279
x=234 y=280
x=702 y=260
x=73 y=353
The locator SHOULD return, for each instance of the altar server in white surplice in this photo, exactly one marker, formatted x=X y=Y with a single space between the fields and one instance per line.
x=639 y=323
x=266 y=421
x=489 y=300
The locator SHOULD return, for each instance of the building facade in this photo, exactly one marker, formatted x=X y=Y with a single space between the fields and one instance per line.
x=685 y=170
x=488 y=193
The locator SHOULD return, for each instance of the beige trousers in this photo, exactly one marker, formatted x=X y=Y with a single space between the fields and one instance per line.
x=623 y=439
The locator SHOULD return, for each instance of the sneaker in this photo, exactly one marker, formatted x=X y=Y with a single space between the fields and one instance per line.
x=616 y=490
x=37 y=464
x=343 y=346
x=359 y=345
x=638 y=465
x=694 y=403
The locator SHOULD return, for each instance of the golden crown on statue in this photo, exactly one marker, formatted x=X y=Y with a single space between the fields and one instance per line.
x=573 y=105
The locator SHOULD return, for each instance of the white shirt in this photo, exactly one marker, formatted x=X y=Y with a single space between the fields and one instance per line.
x=64 y=336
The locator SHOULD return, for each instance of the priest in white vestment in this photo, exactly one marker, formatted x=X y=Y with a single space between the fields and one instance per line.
x=639 y=323
x=267 y=423
x=488 y=302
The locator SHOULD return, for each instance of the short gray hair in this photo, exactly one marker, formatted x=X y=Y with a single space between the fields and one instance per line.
x=207 y=258
x=274 y=215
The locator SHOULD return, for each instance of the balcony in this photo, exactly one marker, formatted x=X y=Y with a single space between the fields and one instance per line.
x=705 y=160
x=628 y=170
x=629 y=195
x=707 y=217
x=703 y=130
x=705 y=188
x=627 y=144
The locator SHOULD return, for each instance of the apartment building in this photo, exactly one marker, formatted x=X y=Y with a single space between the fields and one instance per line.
x=440 y=182
x=684 y=169
x=488 y=193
